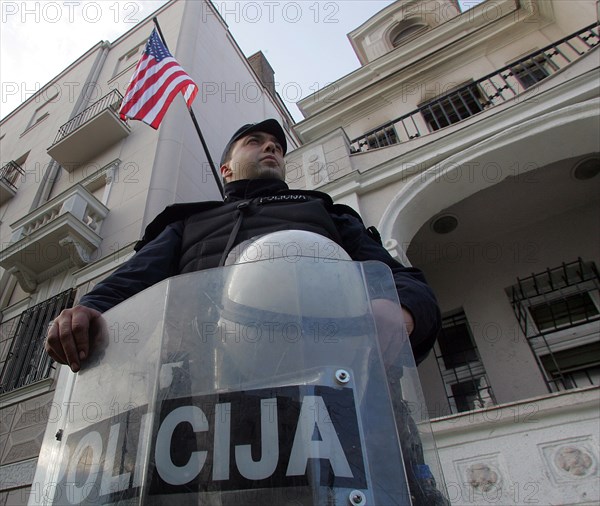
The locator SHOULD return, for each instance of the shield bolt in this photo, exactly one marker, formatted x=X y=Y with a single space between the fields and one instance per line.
x=342 y=376
x=357 y=498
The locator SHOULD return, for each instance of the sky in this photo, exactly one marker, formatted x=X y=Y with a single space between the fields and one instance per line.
x=304 y=40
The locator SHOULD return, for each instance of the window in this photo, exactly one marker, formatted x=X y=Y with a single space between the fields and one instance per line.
x=568 y=310
x=384 y=137
x=558 y=311
x=530 y=72
x=575 y=366
x=130 y=58
x=41 y=113
x=27 y=361
x=453 y=107
x=461 y=368
x=406 y=30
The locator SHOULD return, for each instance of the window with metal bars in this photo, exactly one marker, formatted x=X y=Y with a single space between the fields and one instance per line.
x=530 y=72
x=27 y=361
x=381 y=138
x=559 y=312
x=454 y=107
x=460 y=365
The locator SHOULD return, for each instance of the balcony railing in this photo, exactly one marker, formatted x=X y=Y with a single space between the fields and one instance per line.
x=491 y=90
x=9 y=174
x=89 y=133
x=112 y=100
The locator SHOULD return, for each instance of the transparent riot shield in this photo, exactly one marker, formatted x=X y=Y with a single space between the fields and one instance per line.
x=274 y=382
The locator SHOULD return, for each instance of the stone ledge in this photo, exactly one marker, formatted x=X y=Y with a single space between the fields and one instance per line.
x=18 y=474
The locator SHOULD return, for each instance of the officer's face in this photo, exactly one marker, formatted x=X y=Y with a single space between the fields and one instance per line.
x=255 y=156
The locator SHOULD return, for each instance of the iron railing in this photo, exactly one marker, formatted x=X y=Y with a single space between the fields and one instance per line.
x=9 y=174
x=27 y=361
x=111 y=101
x=552 y=301
x=488 y=91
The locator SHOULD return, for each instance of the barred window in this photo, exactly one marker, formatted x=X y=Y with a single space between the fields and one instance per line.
x=453 y=107
x=384 y=137
x=558 y=311
x=27 y=361
x=460 y=365
x=532 y=71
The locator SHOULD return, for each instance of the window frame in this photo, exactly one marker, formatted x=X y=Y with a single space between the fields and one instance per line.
x=446 y=106
x=545 y=343
x=471 y=371
x=523 y=71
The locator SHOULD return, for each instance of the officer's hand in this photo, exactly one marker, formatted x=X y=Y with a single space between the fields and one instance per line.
x=391 y=319
x=68 y=340
x=409 y=321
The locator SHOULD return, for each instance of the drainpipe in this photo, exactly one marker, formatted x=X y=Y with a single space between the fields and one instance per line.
x=50 y=176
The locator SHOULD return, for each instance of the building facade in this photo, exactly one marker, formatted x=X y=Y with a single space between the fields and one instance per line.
x=470 y=139
x=78 y=186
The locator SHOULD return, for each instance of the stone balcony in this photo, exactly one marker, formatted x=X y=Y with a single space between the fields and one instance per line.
x=61 y=234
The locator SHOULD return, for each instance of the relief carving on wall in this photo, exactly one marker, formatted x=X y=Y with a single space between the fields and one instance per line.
x=482 y=477
x=574 y=460
x=570 y=459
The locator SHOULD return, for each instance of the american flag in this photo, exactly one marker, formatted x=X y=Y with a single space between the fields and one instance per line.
x=157 y=80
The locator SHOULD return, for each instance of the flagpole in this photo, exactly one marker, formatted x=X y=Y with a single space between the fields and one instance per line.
x=195 y=121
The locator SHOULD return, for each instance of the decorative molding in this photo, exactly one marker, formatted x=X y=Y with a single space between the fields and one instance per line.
x=393 y=248
x=78 y=255
x=101 y=177
x=104 y=265
x=16 y=309
x=26 y=392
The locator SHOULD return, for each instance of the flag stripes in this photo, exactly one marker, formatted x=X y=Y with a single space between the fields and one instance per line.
x=157 y=80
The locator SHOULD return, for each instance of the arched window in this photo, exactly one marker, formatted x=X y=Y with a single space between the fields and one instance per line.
x=406 y=30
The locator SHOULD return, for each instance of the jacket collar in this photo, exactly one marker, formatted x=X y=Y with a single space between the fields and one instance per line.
x=250 y=188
